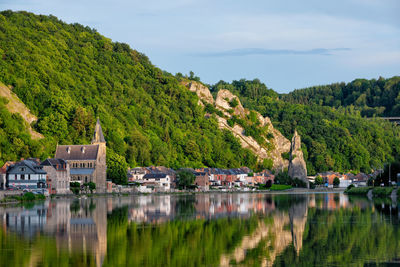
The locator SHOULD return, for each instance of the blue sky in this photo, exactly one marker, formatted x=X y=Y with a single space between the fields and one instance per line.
x=287 y=44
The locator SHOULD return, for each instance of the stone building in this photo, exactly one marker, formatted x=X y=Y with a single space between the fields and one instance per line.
x=58 y=175
x=87 y=162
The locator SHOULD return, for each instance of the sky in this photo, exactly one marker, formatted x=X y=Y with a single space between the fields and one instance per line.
x=287 y=44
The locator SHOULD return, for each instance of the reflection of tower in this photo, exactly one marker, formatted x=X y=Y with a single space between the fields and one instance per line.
x=298 y=219
x=88 y=228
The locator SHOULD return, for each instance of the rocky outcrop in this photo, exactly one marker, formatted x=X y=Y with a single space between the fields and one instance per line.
x=297 y=165
x=15 y=105
x=276 y=146
x=202 y=92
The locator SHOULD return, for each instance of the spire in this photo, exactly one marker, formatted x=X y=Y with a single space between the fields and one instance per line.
x=98 y=136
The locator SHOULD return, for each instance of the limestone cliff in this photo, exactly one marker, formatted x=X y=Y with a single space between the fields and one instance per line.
x=273 y=147
x=297 y=165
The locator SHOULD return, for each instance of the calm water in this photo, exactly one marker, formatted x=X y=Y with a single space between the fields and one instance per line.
x=202 y=230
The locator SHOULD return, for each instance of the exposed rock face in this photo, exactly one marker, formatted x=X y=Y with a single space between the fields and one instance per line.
x=279 y=143
x=202 y=92
x=297 y=165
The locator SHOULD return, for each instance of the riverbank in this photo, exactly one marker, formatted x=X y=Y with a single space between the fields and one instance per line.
x=373 y=191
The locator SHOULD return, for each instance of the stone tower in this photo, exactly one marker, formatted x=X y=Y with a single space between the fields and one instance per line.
x=101 y=165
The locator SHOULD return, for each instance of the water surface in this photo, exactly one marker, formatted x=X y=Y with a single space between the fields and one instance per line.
x=202 y=230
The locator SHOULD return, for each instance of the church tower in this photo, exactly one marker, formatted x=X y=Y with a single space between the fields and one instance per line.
x=101 y=165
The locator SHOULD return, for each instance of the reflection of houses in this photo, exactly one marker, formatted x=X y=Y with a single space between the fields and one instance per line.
x=26 y=174
x=87 y=162
x=58 y=175
x=26 y=221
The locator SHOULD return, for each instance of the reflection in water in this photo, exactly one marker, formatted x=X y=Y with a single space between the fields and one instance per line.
x=203 y=229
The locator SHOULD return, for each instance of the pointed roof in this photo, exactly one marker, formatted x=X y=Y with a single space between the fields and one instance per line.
x=98 y=136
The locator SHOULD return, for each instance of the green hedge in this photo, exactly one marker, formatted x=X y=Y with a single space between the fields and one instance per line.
x=278 y=187
x=382 y=191
x=358 y=190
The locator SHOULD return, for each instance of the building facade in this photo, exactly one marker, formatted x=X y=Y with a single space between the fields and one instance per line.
x=58 y=175
x=26 y=175
x=87 y=162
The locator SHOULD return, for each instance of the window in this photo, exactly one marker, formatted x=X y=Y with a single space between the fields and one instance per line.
x=22 y=176
x=29 y=176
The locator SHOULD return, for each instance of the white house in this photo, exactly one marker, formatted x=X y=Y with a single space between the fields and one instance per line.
x=26 y=174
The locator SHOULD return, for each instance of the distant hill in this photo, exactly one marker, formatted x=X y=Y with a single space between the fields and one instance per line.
x=369 y=97
x=68 y=75
x=332 y=139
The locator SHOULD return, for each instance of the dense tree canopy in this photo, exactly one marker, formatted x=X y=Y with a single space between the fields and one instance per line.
x=331 y=139
x=369 y=97
x=68 y=75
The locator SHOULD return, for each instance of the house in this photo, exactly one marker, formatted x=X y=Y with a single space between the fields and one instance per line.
x=87 y=162
x=26 y=174
x=202 y=181
x=3 y=174
x=157 y=181
x=136 y=174
x=58 y=175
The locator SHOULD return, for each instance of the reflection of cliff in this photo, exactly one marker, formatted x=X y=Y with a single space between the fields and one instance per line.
x=272 y=238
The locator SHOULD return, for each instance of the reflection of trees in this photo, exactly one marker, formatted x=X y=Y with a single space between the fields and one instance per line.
x=184 y=206
x=175 y=243
x=345 y=237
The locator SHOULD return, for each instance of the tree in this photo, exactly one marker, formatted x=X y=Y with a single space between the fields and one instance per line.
x=116 y=168
x=92 y=186
x=318 y=180
x=336 y=182
x=185 y=179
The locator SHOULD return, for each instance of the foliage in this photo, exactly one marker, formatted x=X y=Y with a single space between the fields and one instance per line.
x=368 y=97
x=68 y=75
x=331 y=139
x=75 y=187
x=382 y=191
x=185 y=179
x=358 y=190
x=336 y=182
x=234 y=102
x=117 y=168
x=278 y=187
x=90 y=185
x=319 y=180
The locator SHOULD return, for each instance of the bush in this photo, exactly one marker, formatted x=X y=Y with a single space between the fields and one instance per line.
x=382 y=191
x=278 y=187
x=28 y=197
x=358 y=190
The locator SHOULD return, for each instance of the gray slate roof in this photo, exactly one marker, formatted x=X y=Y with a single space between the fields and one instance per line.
x=58 y=164
x=31 y=166
x=77 y=152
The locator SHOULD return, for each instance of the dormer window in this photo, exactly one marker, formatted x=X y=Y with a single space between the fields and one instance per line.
x=68 y=150
x=83 y=149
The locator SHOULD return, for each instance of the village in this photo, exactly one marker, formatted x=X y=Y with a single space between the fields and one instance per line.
x=82 y=168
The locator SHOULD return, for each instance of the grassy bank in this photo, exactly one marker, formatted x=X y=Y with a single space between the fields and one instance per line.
x=382 y=191
x=279 y=187
x=27 y=197
x=358 y=190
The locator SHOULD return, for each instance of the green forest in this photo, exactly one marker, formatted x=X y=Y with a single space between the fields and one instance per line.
x=368 y=98
x=68 y=75
x=331 y=139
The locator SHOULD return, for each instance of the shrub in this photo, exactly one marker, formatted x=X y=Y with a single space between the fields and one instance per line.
x=358 y=190
x=382 y=191
x=278 y=187
x=29 y=197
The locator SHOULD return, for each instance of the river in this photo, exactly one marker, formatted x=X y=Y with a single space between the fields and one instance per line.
x=221 y=229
